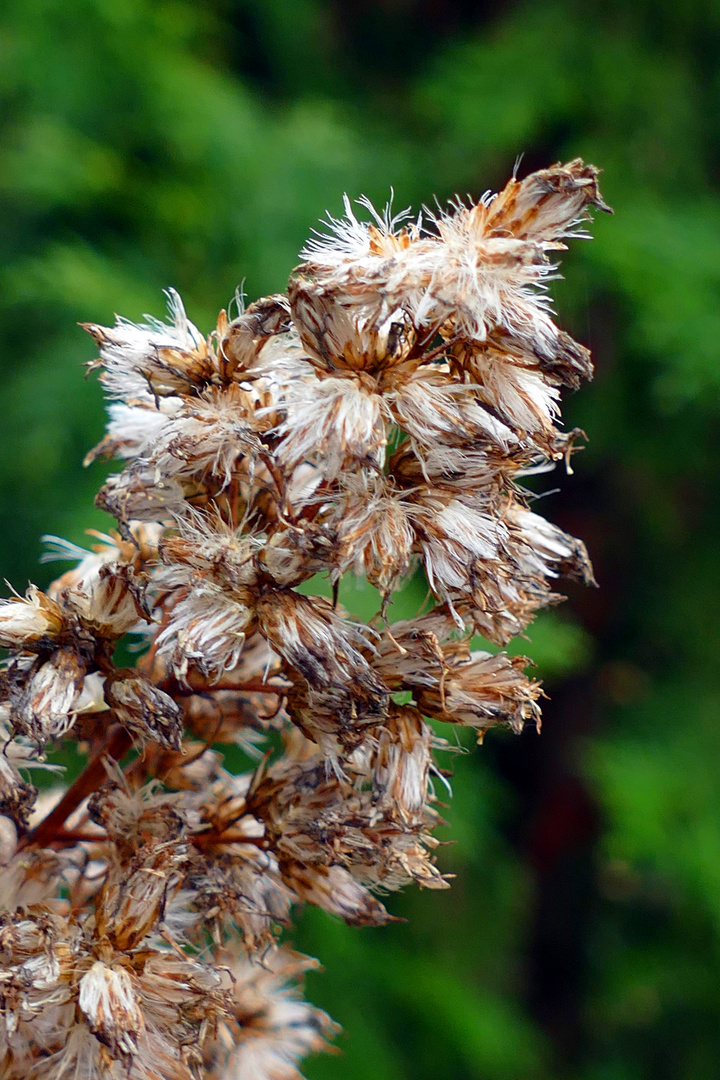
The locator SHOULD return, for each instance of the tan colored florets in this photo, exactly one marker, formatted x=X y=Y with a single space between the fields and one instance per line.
x=378 y=420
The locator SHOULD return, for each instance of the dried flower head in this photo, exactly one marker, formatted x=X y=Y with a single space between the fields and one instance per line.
x=378 y=419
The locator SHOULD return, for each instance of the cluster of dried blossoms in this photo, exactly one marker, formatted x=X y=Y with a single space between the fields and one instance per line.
x=379 y=416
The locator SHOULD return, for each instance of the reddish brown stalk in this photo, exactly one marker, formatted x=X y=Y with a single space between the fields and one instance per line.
x=217 y=838
x=71 y=838
x=170 y=685
x=116 y=745
x=278 y=480
x=252 y=686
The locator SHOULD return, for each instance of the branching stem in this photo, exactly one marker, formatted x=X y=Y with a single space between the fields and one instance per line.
x=116 y=745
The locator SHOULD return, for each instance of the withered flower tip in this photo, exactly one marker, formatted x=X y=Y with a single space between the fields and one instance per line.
x=379 y=420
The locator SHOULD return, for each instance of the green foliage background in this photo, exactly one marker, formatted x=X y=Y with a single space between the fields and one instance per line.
x=147 y=143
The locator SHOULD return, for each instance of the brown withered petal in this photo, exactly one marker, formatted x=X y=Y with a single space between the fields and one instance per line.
x=291 y=556
x=548 y=204
x=167 y=359
x=237 y=887
x=183 y=1000
x=545 y=550
x=434 y=409
x=131 y=819
x=516 y=389
x=401 y=762
x=206 y=436
x=314 y=639
x=272 y=1027
x=139 y=493
x=17 y=796
x=340 y=712
x=39 y=952
x=43 y=709
x=205 y=629
x=373 y=524
x=143 y=708
x=26 y=621
x=133 y=898
x=108 y=1001
x=335 y=890
x=484 y=690
x=334 y=422
x=110 y=602
x=240 y=341
x=359 y=333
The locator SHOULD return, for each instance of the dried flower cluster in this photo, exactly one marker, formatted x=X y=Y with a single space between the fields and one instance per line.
x=377 y=418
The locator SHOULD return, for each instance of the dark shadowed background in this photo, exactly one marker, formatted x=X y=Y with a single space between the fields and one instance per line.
x=149 y=143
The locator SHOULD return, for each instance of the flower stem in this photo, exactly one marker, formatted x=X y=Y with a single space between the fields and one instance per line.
x=116 y=745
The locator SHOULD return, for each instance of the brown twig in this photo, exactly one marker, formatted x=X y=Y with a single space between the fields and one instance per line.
x=255 y=686
x=116 y=745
